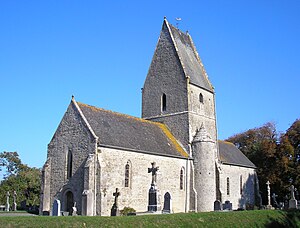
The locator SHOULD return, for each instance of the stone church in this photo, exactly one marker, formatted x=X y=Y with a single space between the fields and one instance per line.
x=94 y=151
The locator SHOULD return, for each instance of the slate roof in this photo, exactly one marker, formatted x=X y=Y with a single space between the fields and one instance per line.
x=132 y=133
x=230 y=154
x=189 y=58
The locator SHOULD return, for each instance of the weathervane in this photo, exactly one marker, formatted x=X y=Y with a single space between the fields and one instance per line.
x=177 y=19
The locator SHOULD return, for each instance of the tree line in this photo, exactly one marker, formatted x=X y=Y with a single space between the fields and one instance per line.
x=19 y=177
x=276 y=156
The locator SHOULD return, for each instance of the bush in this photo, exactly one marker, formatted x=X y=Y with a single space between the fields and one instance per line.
x=126 y=211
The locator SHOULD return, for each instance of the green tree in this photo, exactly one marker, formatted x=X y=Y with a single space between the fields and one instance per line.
x=261 y=146
x=20 y=178
x=292 y=140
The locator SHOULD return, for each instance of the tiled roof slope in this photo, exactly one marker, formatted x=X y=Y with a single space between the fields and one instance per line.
x=128 y=132
x=230 y=154
x=189 y=58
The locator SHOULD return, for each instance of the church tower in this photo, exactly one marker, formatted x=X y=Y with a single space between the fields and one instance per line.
x=178 y=93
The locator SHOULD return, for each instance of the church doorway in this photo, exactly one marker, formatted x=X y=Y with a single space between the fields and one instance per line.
x=69 y=203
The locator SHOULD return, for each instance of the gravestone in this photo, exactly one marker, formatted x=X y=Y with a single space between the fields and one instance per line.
x=227 y=205
x=14 y=202
x=74 y=210
x=167 y=203
x=217 y=205
x=115 y=209
x=7 y=201
x=275 y=203
x=269 y=206
x=154 y=200
x=56 y=208
x=286 y=203
x=292 y=201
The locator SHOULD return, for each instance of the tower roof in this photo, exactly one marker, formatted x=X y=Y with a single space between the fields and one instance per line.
x=189 y=58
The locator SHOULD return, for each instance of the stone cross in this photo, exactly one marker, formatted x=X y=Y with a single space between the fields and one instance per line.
x=74 y=210
x=14 y=201
x=274 y=199
x=292 y=189
x=269 y=193
x=153 y=170
x=7 y=201
x=116 y=195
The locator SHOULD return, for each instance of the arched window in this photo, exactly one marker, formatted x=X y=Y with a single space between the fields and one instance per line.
x=69 y=164
x=228 y=186
x=127 y=175
x=181 y=185
x=241 y=184
x=164 y=102
x=201 y=98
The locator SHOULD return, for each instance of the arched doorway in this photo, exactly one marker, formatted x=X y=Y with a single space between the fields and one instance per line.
x=69 y=203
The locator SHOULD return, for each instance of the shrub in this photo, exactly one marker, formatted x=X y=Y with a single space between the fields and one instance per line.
x=126 y=211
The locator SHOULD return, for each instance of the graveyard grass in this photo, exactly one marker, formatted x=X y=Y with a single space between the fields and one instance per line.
x=263 y=218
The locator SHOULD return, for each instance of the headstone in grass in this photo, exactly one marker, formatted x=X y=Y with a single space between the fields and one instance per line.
x=167 y=203
x=7 y=201
x=217 y=205
x=56 y=208
x=227 y=205
x=275 y=203
x=154 y=203
x=14 y=208
x=115 y=209
x=292 y=201
x=74 y=210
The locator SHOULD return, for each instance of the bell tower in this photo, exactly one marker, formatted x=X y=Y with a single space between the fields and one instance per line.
x=178 y=93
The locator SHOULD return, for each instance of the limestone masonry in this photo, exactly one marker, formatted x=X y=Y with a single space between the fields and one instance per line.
x=94 y=151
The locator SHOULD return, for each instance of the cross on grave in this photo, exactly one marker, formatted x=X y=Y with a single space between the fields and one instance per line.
x=7 y=201
x=153 y=170
x=115 y=209
x=269 y=193
x=292 y=189
x=116 y=195
x=274 y=200
x=14 y=201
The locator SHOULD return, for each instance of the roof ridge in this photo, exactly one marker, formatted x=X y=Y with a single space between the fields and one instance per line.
x=116 y=113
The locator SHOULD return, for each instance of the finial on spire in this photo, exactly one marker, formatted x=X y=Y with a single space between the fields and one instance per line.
x=165 y=18
x=177 y=21
x=73 y=97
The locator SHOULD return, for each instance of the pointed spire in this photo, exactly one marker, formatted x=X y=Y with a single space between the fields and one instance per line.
x=201 y=135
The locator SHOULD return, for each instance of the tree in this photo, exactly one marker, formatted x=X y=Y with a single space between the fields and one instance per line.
x=261 y=146
x=20 y=178
x=292 y=149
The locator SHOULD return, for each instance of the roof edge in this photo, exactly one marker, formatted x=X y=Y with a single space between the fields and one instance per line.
x=175 y=46
x=142 y=151
x=73 y=101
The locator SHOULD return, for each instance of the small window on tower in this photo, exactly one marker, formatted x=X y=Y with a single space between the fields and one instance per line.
x=164 y=102
x=201 y=98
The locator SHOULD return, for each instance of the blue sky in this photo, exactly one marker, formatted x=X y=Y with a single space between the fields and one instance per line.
x=100 y=51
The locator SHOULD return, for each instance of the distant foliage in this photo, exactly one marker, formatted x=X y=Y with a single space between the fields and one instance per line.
x=20 y=178
x=277 y=156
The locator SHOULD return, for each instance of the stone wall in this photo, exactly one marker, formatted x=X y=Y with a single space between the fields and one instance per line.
x=234 y=173
x=202 y=113
x=112 y=163
x=71 y=135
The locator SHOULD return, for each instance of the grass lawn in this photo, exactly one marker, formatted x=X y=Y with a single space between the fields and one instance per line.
x=264 y=218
